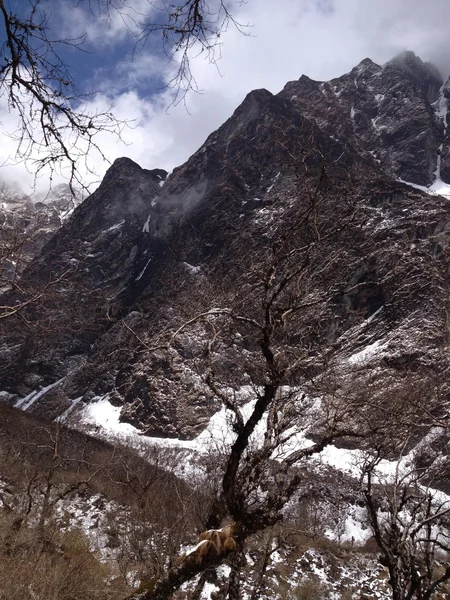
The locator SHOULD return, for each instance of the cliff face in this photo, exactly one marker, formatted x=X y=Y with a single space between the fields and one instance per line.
x=142 y=256
x=26 y=225
x=396 y=113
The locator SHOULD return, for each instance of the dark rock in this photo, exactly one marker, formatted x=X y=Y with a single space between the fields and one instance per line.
x=384 y=111
x=136 y=259
x=424 y=75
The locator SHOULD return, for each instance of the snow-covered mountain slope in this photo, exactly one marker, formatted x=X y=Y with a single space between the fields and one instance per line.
x=136 y=260
x=27 y=223
x=102 y=502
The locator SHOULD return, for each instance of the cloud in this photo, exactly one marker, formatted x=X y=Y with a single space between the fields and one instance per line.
x=321 y=38
x=104 y=23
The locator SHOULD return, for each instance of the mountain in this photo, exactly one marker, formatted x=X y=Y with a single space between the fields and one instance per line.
x=140 y=249
x=26 y=224
x=302 y=252
x=397 y=113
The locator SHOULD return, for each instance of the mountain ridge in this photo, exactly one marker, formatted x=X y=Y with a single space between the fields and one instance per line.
x=135 y=254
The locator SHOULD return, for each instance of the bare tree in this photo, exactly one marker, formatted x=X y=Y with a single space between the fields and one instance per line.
x=192 y=27
x=278 y=312
x=188 y=28
x=409 y=518
x=55 y=129
x=40 y=88
x=44 y=467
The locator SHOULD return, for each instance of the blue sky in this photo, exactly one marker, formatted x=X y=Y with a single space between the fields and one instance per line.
x=321 y=38
x=108 y=42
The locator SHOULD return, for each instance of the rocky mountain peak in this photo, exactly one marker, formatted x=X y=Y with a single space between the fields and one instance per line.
x=147 y=253
x=366 y=68
x=389 y=113
x=125 y=168
x=252 y=105
x=28 y=223
x=424 y=74
x=255 y=97
x=121 y=166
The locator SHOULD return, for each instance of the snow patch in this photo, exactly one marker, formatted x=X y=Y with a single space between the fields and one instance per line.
x=208 y=589
x=196 y=547
x=441 y=107
x=26 y=403
x=191 y=268
x=102 y=416
x=143 y=270
x=69 y=410
x=438 y=188
x=114 y=227
x=367 y=354
x=374 y=154
x=269 y=189
x=374 y=123
x=356 y=529
x=6 y=396
x=343 y=459
x=146 y=227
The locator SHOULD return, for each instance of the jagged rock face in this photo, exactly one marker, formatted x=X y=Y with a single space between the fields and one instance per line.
x=27 y=224
x=386 y=111
x=84 y=265
x=137 y=258
x=105 y=227
x=445 y=150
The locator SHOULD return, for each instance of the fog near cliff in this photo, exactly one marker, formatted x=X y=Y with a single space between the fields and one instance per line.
x=390 y=26
x=320 y=38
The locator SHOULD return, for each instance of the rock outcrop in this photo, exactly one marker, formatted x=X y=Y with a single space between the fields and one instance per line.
x=389 y=112
x=142 y=255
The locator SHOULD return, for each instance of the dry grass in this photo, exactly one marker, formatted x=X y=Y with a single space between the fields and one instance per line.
x=47 y=564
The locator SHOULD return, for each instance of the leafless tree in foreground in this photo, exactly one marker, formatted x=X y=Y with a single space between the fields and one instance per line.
x=410 y=520
x=278 y=313
x=188 y=28
x=54 y=128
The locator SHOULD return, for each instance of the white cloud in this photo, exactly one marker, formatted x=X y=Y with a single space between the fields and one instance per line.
x=321 y=38
x=103 y=23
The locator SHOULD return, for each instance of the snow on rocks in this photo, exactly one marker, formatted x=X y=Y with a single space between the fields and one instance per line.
x=192 y=269
x=146 y=226
x=28 y=401
x=367 y=354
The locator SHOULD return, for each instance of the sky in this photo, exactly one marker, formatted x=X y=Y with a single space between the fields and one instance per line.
x=320 y=38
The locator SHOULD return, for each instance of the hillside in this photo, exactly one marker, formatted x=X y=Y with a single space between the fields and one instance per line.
x=283 y=295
